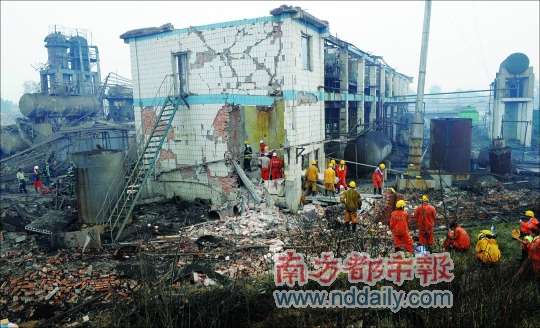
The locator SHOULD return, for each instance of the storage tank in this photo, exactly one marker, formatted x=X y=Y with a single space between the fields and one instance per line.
x=36 y=105
x=78 y=48
x=371 y=149
x=450 y=145
x=100 y=179
x=516 y=63
x=57 y=46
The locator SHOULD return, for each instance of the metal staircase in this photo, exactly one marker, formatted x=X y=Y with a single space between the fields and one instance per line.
x=141 y=170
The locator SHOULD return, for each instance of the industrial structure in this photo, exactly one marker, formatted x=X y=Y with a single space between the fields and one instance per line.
x=282 y=78
x=73 y=112
x=512 y=97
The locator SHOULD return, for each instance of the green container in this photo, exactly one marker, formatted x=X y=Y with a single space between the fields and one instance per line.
x=469 y=112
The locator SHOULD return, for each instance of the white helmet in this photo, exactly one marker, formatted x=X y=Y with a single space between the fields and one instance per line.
x=261 y=141
x=275 y=154
x=36 y=168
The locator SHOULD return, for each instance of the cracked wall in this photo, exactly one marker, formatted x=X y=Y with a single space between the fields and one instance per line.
x=245 y=81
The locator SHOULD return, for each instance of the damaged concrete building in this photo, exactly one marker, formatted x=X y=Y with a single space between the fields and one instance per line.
x=281 y=78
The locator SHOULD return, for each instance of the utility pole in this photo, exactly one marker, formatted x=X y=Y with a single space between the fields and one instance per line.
x=417 y=124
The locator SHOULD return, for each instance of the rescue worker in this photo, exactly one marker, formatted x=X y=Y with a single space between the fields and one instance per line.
x=267 y=152
x=263 y=162
x=333 y=162
x=487 y=248
x=425 y=217
x=329 y=178
x=37 y=179
x=341 y=173
x=47 y=175
x=399 y=224
x=352 y=200
x=262 y=146
x=22 y=181
x=248 y=152
x=457 y=238
x=275 y=166
x=526 y=226
x=527 y=241
x=534 y=251
x=377 y=178
x=312 y=174
x=71 y=179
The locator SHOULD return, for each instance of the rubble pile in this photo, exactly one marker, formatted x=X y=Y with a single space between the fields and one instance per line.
x=178 y=239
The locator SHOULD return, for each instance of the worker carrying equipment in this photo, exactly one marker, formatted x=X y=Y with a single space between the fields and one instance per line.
x=399 y=224
x=377 y=178
x=352 y=200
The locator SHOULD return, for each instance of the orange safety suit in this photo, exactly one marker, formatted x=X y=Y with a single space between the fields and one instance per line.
x=378 y=177
x=312 y=174
x=534 y=254
x=425 y=216
x=276 y=164
x=263 y=146
x=400 y=228
x=352 y=200
x=329 y=178
x=458 y=239
x=527 y=226
x=341 y=173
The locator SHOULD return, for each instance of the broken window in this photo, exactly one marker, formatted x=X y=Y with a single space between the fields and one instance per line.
x=182 y=70
x=305 y=52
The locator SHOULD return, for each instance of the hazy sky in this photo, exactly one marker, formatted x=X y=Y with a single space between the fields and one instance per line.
x=468 y=39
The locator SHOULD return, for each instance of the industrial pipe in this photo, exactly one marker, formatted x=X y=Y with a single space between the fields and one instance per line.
x=222 y=213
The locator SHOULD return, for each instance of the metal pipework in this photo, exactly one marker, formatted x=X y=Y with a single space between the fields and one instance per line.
x=417 y=124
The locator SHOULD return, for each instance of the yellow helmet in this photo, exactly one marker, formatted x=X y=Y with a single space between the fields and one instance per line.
x=400 y=203
x=332 y=162
x=342 y=162
x=529 y=213
x=382 y=166
x=313 y=162
x=330 y=165
x=246 y=142
x=425 y=198
x=352 y=184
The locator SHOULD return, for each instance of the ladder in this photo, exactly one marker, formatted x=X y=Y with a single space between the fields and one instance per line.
x=141 y=170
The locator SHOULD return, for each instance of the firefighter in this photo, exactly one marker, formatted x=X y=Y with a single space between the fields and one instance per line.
x=275 y=166
x=37 y=179
x=377 y=178
x=341 y=173
x=22 y=181
x=312 y=174
x=399 y=224
x=248 y=152
x=352 y=200
x=526 y=226
x=425 y=216
x=71 y=179
x=487 y=248
x=262 y=146
x=329 y=178
x=457 y=238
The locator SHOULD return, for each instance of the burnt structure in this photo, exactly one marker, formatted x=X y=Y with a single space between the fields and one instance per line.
x=73 y=112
